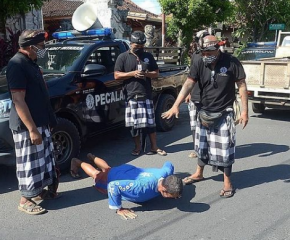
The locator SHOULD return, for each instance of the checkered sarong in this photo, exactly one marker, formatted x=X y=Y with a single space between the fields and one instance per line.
x=216 y=147
x=192 y=115
x=140 y=114
x=35 y=164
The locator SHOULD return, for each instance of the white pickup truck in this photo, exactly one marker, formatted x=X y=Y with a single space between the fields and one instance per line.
x=268 y=79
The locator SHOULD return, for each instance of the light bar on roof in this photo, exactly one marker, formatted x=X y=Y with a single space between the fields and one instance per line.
x=101 y=32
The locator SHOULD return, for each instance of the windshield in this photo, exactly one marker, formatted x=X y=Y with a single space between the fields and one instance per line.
x=60 y=59
x=256 y=54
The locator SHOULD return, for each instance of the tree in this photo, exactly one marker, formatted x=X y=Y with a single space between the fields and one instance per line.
x=252 y=17
x=9 y=8
x=185 y=16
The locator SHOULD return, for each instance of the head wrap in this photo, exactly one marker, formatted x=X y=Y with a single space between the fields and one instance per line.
x=36 y=36
x=138 y=37
x=209 y=44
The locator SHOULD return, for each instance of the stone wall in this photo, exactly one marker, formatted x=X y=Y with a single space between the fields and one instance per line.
x=31 y=20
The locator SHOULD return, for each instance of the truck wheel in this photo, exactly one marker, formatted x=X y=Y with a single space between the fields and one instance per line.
x=66 y=142
x=165 y=102
x=258 y=107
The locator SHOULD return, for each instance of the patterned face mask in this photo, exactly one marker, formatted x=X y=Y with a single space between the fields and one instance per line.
x=40 y=52
x=209 y=59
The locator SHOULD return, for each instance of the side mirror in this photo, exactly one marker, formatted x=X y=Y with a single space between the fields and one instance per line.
x=93 y=70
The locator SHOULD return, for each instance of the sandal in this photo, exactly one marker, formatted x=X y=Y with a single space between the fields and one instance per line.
x=74 y=174
x=227 y=193
x=190 y=180
x=158 y=151
x=136 y=152
x=31 y=208
x=46 y=195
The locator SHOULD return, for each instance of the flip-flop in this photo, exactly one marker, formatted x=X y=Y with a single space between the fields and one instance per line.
x=74 y=174
x=227 y=193
x=158 y=151
x=136 y=152
x=32 y=208
x=190 y=180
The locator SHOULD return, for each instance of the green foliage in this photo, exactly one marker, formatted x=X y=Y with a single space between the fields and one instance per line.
x=252 y=17
x=190 y=15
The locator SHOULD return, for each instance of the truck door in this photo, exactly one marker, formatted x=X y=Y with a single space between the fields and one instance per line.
x=104 y=99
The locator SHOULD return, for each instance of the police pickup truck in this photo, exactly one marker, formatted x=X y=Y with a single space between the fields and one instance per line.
x=79 y=73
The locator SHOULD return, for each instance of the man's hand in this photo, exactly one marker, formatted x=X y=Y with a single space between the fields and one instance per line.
x=35 y=137
x=139 y=74
x=126 y=213
x=244 y=119
x=174 y=111
x=187 y=99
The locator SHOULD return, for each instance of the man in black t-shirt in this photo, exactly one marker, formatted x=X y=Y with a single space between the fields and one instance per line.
x=216 y=73
x=30 y=117
x=136 y=68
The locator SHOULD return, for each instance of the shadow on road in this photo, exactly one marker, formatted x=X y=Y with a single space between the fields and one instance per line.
x=8 y=180
x=253 y=177
x=74 y=198
x=274 y=114
x=261 y=149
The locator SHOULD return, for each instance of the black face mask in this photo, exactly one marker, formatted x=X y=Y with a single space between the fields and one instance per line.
x=138 y=51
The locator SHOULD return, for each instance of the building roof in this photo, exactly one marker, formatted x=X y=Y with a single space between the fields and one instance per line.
x=66 y=8
x=132 y=7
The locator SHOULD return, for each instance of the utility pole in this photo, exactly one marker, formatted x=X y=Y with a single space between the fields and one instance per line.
x=163 y=28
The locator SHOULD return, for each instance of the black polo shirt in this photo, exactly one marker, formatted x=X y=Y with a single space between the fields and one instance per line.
x=24 y=74
x=127 y=62
x=218 y=84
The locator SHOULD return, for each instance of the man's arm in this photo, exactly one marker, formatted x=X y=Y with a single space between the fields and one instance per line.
x=186 y=89
x=18 y=98
x=242 y=86
x=152 y=74
x=115 y=189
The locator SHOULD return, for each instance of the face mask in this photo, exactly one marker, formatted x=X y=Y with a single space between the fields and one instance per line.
x=138 y=51
x=40 y=53
x=209 y=59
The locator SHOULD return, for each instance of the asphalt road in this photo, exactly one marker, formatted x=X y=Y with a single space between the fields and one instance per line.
x=259 y=209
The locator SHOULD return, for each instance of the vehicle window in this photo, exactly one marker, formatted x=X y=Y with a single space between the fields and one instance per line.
x=60 y=59
x=256 y=54
x=106 y=56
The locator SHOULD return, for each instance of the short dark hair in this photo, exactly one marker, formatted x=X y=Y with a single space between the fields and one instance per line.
x=173 y=184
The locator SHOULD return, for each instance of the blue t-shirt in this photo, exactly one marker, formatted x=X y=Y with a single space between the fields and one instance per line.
x=130 y=183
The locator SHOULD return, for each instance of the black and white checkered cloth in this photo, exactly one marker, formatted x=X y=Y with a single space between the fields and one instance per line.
x=140 y=114
x=217 y=147
x=192 y=115
x=35 y=163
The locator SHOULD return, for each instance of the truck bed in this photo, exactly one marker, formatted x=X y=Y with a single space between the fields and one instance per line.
x=273 y=73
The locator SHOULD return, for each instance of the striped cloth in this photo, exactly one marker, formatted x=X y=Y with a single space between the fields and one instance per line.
x=192 y=115
x=216 y=147
x=35 y=164
x=140 y=114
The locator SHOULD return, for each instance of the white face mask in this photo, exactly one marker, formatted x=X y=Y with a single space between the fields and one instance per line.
x=209 y=59
x=40 y=53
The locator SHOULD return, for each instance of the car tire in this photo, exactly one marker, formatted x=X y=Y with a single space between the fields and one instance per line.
x=66 y=142
x=258 y=107
x=165 y=102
